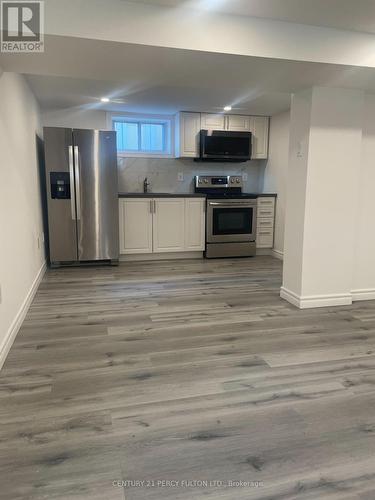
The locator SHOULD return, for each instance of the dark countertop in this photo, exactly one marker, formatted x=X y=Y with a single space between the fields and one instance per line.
x=161 y=195
x=182 y=195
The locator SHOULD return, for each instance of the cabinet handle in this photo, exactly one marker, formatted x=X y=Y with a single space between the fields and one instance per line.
x=154 y=206
x=150 y=206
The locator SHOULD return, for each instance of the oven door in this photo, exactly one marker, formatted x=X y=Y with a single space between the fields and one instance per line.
x=231 y=220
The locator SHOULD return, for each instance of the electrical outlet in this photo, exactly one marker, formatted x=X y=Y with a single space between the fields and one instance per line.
x=180 y=176
x=244 y=176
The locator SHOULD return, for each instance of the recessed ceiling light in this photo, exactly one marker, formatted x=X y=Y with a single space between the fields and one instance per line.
x=104 y=99
x=227 y=108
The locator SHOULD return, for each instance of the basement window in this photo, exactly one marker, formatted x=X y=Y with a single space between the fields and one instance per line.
x=143 y=136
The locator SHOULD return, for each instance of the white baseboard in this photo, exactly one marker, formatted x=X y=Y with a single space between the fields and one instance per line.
x=20 y=316
x=270 y=251
x=276 y=253
x=363 y=294
x=310 y=301
x=161 y=256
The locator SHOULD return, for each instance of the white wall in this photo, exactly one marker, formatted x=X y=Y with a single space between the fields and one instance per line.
x=296 y=189
x=276 y=172
x=75 y=118
x=141 y=23
x=323 y=189
x=364 y=265
x=20 y=203
x=333 y=179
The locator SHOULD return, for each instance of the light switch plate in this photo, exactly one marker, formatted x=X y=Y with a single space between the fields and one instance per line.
x=244 y=176
x=180 y=176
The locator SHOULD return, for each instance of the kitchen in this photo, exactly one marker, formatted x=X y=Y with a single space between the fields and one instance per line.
x=165 y=225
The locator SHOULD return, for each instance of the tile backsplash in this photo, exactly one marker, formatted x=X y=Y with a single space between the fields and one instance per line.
x=162 y=174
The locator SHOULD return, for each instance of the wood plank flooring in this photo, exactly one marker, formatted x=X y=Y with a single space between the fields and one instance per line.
x=193 y=378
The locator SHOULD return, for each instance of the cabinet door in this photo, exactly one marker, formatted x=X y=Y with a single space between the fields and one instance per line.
x=239 y=123
x=135 y=225
x=195 y=222
x=211 y=121
x=259 y=129
x=187 y=140
x=169 y=225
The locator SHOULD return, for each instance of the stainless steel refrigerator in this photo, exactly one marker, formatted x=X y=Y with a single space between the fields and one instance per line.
x=82 y=195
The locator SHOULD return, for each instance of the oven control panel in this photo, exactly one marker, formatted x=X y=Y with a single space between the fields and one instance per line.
x=218 y=181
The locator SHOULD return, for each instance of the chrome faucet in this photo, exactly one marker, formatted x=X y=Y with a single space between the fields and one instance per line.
x=145 y=185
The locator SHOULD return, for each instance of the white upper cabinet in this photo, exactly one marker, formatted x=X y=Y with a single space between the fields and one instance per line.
x=259 y=129
x=238 y=123
x=188 y=126
x=211 y=121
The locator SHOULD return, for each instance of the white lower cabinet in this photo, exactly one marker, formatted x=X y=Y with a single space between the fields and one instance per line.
x=135 y=225
x=265 y=221
x=158 y=225
x=169 y=225
x=195 y=224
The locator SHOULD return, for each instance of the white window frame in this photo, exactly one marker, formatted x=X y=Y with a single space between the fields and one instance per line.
x=168 y=120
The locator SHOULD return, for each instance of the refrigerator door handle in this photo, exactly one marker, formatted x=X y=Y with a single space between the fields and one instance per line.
x=72 y=185
x=78 y=182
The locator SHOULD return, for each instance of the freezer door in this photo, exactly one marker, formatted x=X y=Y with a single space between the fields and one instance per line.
x=58 y=149
x=95 y=161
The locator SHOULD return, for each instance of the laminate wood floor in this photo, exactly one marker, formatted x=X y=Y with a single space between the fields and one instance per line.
x=187 y=380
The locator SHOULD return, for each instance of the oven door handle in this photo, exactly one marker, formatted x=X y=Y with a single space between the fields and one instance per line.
x=233 y=204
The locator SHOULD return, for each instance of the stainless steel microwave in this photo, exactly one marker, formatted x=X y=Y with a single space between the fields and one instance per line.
x=224 y=145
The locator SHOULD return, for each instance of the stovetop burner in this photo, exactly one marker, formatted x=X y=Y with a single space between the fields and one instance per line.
x=221 y=186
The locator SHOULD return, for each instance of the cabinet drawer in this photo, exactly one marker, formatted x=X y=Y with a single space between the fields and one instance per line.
x=264 y=238
x=264 y=242
x=266 y=202
x=265 y=213
x=265 y=224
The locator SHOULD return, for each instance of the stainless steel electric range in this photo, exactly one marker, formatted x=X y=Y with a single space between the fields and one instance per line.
x=230 y=216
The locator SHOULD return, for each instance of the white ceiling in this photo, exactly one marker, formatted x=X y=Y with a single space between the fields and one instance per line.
x=77 y=72
x=60 y=92
x=355 y=15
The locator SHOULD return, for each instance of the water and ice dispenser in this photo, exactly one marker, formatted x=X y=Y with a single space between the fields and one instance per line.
x=60 y=185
